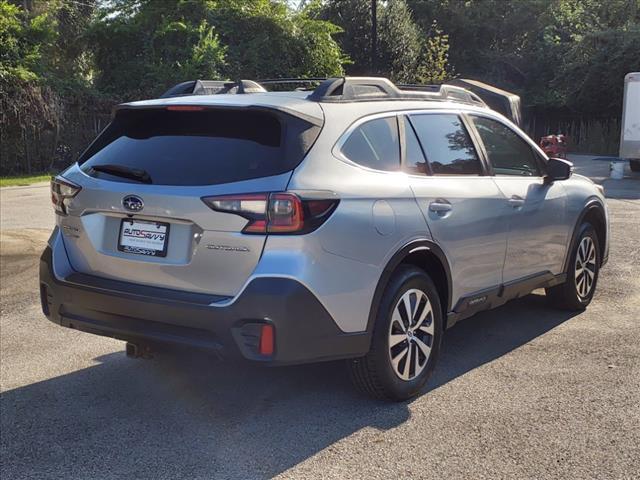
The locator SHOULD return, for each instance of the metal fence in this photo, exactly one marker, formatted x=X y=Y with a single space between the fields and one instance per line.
x=48 y=148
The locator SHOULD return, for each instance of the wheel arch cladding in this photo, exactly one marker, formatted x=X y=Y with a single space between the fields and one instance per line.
x=429 y=257
x=594 y=214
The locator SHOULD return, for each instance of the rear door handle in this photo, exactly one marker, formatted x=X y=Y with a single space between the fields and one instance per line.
x=440 y=206
x=516 y=201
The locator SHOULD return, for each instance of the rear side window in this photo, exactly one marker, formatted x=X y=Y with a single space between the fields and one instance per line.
x=446 y=144
x=205 y=147
x=375 y=144
x=508 y=153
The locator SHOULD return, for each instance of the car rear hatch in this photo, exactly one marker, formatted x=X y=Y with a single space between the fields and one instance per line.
x=140 y=216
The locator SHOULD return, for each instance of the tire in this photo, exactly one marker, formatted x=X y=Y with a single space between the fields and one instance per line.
x=576 y=293
x=635 y=165
x=375 y=374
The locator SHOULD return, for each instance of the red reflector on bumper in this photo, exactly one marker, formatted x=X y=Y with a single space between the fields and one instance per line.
x=267 y=340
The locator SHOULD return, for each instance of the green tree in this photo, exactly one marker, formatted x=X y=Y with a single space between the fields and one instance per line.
x=590 y=81
x=353 y=17
x=488 y=38
x=597 y=44
x=44 y=77
x=405 y=52
x=268 y=39
x=23 y=40
x=555 y=53
x=143 y=46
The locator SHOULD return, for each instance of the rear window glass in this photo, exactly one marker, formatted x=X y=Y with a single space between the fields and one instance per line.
x=200 y=147
x=375 y=144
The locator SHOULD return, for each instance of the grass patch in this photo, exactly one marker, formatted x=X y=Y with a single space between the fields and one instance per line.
x=24 y=179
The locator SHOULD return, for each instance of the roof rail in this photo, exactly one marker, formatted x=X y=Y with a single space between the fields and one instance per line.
x=350 y=89
x=335 y=90
x=450 y=92
x=284 y=81
x=366 y=89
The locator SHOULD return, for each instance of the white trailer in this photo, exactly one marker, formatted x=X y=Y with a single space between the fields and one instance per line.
x=630 y=129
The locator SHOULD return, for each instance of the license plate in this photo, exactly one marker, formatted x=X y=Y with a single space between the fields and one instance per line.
x=144 y=238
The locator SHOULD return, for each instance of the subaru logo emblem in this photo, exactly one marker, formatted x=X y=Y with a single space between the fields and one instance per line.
x=133 y=203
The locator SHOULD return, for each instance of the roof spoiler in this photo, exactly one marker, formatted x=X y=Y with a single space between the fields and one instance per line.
x=212 y=87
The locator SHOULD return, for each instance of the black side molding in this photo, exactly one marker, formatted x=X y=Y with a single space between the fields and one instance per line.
x=493 y=297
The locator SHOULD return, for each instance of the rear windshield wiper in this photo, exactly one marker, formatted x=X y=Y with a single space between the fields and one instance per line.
x=123 y=171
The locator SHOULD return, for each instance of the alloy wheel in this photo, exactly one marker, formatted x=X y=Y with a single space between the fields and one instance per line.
x=411 y=334
x=585 y=271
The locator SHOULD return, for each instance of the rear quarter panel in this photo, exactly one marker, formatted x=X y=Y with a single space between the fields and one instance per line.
x=376 y=217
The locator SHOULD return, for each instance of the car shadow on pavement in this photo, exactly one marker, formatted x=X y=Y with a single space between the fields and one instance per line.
x=492 y=334
x=189 y=417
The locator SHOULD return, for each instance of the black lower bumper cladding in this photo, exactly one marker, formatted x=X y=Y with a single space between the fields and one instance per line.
x=304 y=330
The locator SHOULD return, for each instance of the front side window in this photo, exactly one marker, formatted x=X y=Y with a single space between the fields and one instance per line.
x=375 y=144
x=509 y=154
x=446 y=144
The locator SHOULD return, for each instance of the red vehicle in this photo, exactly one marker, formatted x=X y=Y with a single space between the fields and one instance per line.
x=554 y=145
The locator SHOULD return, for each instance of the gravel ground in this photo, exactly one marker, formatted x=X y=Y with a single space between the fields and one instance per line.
x=521 y=392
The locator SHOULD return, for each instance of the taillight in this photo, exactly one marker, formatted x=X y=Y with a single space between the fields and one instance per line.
x=62 y=191
x=251 y=206
x=276 y=213
x=285 y=213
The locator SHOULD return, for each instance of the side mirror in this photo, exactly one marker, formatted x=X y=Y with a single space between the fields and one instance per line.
x=558 y=169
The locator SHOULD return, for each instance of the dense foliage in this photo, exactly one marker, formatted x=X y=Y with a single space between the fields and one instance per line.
x=63 y=63
x=555 y=53
x=44 y=83
x=142 y=46
x=404 y=51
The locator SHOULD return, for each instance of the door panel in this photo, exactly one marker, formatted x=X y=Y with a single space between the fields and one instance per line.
x=465 y=211
x=472 y=232
x=537 y=218
x=537 y=226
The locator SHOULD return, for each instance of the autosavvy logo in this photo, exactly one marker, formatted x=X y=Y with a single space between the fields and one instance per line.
x=139 y=233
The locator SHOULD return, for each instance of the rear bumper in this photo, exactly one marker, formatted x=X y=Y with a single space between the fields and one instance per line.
x=304 y=330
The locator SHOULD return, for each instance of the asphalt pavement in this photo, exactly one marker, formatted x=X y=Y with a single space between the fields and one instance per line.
x=523 y=391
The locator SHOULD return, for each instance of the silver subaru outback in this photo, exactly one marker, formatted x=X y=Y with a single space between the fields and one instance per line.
x=355 y=221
